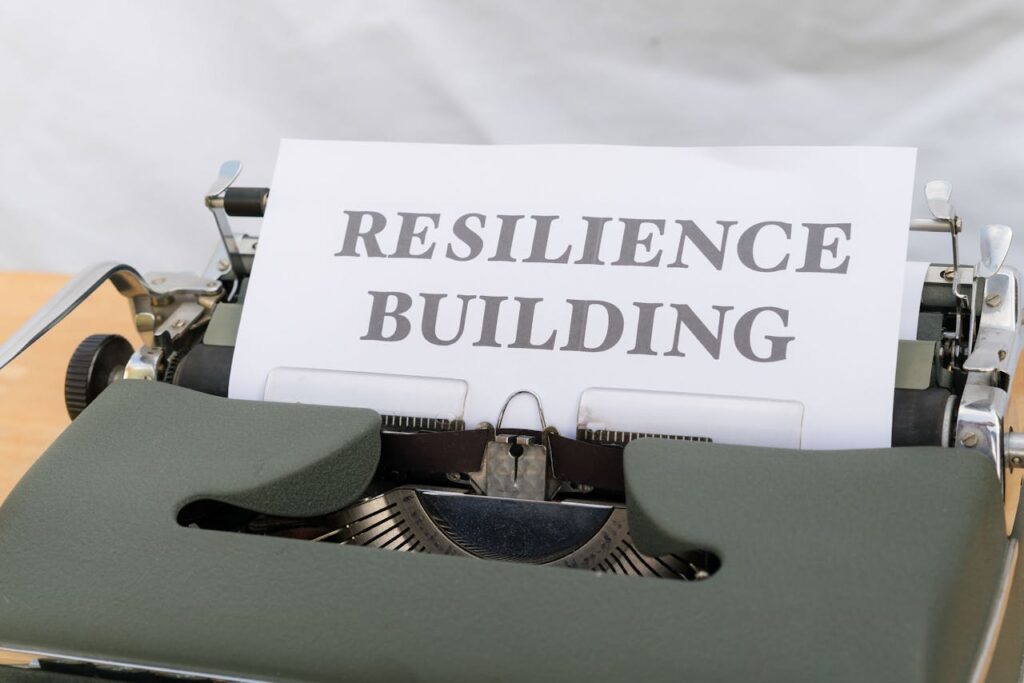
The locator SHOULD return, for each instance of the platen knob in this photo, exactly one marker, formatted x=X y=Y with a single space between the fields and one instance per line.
x=95 y=364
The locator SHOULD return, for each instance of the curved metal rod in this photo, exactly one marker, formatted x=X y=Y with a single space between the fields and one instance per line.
x=229 y=172
x=512 y=396
x=125 y=278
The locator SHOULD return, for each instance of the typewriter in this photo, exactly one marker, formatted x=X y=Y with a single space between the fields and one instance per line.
x=174 y=534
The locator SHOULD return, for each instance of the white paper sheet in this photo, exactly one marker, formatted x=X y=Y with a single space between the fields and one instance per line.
x=781 y=318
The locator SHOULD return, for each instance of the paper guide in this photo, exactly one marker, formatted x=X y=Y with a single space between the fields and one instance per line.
x=762 y=274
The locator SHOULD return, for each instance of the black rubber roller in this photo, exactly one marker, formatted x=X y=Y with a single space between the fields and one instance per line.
x=95 y=364
x=245 y=201
x=919 y=417
x=206 y=369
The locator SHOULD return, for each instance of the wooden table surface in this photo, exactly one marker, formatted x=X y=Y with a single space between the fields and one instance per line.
x=32 y=411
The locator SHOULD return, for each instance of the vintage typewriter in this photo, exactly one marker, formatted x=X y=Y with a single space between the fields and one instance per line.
x=172 y=533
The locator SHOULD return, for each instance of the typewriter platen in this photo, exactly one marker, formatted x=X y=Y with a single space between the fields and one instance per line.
x=531 y=495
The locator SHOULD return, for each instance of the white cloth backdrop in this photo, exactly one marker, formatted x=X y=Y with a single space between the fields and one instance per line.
x=116 y=114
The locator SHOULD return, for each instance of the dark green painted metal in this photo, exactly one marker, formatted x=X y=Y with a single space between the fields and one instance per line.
x=1008 y=660
x=871 y=565
x=844 y=566
x=223 y=327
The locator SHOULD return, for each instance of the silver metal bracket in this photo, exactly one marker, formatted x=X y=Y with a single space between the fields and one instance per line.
x=997 y=344
x=144 y=364
x=163 y=308
x=979 y=424
x=517 y=465
x=514 y=466
x=980 y=419
x=219 y=264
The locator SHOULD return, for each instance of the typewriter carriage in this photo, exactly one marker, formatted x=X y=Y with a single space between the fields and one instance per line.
x=953 y=392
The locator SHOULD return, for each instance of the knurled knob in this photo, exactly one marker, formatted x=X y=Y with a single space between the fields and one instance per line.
x=95 y=364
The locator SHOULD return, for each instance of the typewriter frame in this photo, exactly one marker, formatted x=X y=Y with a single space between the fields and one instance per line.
x=975 y=355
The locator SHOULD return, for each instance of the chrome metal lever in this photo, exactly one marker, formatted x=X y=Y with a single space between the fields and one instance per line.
x=125 y=278
x=229 y=172
x=995 y=246
x=937 y=194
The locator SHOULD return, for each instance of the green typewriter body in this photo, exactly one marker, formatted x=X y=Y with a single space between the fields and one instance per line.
x=172 y=533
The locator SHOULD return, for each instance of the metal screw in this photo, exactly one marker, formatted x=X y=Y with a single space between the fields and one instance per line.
x=993 y=300
x=212 y=284
x=947 y=274
x=179 y=324
x=223 y=266
x=970 y=439
x=1017 y=461
x=453 y=476
x=1002 y=354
